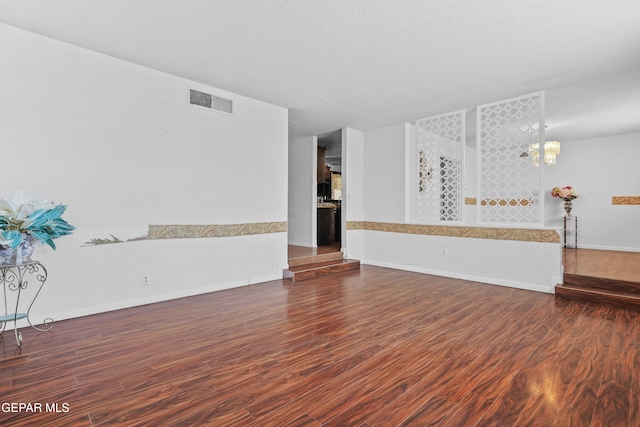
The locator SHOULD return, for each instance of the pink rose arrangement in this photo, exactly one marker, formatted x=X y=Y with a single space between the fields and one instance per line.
x=567 y=193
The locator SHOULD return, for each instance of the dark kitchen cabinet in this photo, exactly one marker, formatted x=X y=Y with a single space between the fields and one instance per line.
x=326 y=226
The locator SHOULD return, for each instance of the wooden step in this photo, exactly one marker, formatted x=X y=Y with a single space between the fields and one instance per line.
x=599 y=295
x=610 y=285
x=621 y=293
x=311 y=259
x=318 y=269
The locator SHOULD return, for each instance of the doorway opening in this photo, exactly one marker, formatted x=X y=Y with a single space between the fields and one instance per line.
x=329 y=195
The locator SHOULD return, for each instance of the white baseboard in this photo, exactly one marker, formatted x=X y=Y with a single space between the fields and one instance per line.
x=269 y=278
x=305 y=245
x=38 y=320
x=487 y=280
x=609 y=248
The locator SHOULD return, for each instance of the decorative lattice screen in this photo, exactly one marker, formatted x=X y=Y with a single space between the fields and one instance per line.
x=509 y=179
x=440 y=166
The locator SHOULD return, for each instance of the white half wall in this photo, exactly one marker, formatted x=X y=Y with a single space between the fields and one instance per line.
x=121 y=146
x=534 y=266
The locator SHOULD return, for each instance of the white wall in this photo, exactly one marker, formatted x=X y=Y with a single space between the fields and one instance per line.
x=120 y=145
x=600 y=168
x=353 y=180
x=303 y=189
x=353 y=190
x=384 y=173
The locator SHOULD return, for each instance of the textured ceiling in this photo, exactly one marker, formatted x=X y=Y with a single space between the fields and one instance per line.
x=370 y=63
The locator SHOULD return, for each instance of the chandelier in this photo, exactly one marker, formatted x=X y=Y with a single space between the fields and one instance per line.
x=551 y=151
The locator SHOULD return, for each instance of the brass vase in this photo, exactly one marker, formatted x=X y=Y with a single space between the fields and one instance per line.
x=567 y=207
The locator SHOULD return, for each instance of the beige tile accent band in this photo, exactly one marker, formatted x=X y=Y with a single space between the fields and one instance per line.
x=518 y=234
x=625 y=200
x=470 y=201
x=198 y=231
x=214 y=230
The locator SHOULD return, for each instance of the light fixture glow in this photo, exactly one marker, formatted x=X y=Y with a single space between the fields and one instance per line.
x=551 y=151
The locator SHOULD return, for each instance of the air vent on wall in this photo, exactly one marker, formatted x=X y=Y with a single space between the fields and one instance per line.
x=207 y=100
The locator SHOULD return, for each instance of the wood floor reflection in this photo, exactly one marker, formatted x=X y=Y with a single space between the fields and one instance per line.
x=604 y=264
x=374 y=347
x=302 y=251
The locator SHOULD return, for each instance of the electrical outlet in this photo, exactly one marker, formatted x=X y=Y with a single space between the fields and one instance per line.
x=445 y=252
x=145 y=279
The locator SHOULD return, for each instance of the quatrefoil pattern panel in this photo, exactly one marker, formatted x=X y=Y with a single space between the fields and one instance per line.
x=510 y=180
x=440 y=165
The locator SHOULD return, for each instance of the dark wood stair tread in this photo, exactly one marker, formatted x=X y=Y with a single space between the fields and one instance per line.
x=311 y=259
x=607 y=284
x=315 y=265
x=599 y=295
x=317 y=269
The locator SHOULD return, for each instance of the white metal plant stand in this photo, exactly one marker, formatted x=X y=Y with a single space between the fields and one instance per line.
x=15 y=279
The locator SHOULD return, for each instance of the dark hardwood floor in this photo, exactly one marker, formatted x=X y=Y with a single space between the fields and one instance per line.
x=375 y=347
